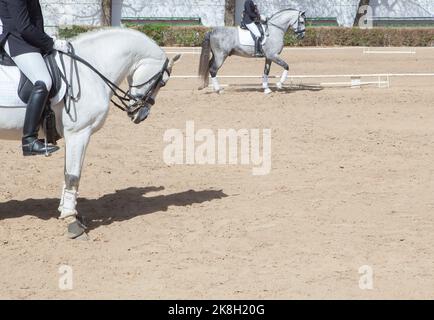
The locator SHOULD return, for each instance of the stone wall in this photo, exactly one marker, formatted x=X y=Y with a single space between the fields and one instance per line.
x=343 y=10
x=403 y=8
x=212 y=12
x=67 y=12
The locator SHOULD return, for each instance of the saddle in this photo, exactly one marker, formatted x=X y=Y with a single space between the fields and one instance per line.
x=25 y=88
x=246 y=37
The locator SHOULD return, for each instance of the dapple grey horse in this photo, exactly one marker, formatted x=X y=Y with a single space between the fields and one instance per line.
x=224 y=41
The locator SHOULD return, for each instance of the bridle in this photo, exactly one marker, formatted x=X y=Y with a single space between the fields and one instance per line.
x=144 y=99
x=298 y=32
x=128 y=103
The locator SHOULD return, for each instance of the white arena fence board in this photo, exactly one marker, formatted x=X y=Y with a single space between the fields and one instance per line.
x=383 y=79
x=370 y=50
x=367 y=50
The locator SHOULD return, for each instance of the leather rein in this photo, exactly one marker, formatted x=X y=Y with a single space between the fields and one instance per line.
x=124 y=97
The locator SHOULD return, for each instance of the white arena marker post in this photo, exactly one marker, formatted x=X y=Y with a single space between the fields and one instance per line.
x=356 y=82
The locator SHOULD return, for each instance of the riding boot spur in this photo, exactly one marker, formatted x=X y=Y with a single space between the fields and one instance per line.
x=31 y=145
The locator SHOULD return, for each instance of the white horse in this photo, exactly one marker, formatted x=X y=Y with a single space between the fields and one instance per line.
x=118 y=54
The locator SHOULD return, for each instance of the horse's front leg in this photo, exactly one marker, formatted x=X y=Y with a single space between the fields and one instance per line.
x=267 y=68
x=75 y=144
x=285 y=66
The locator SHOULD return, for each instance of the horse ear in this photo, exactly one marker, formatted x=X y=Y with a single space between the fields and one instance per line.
x=303 y=13
x=174 y=60
x=177 y=57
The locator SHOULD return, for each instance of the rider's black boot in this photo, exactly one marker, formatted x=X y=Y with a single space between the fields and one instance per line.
x=30 y=143
x=258 y=49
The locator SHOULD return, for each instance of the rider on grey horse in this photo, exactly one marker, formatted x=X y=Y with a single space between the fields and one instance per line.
x=23 y=38
x=252 y=17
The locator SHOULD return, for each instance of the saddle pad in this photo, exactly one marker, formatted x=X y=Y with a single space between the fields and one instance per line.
x=246 y=38
x=9 y=81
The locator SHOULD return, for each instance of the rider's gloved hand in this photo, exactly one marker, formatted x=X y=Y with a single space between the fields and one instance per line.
x=61 y=45
x=263 y=18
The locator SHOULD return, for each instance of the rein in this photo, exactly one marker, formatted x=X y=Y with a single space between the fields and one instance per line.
x=124 y=97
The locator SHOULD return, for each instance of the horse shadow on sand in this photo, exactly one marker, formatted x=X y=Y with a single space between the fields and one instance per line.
x=287 y=89
x=246 y=88
x=115 y=207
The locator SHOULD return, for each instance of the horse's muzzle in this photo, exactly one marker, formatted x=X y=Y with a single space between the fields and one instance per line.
x=141 y=115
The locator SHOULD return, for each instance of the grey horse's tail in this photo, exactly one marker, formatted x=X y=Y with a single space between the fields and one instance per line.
x=204 y=61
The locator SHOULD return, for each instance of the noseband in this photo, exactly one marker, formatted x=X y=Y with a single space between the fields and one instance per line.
x=144 y=99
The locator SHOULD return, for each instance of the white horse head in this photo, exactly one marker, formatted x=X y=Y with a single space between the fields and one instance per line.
x=144 y=88
x=300 y=29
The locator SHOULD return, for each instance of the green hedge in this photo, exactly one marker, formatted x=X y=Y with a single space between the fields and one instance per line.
x=192 y=36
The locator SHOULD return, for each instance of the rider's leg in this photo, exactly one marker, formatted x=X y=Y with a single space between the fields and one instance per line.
x=257 y=37
x=33 y=66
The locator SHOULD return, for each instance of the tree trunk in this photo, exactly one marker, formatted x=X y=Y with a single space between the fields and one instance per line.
x=230 y=12
x=106 y=6
x=360 y=15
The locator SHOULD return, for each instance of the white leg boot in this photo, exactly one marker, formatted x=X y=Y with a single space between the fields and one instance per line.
x=267 y=90
x=216 y=85
x=60 y=209
x=68 y=207
x=282 y=79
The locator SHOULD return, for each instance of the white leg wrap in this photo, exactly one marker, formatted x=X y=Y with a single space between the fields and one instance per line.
x=62 y=198
x=215 y=84
x=69 y=204
x=284 y=76
x=265 y=81
x=282 y=79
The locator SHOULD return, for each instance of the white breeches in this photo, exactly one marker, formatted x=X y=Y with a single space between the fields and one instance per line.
x=33 y=66
x=254 y=29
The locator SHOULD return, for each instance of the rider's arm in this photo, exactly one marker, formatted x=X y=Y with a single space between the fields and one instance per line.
x=32 y=34
x=39 y=18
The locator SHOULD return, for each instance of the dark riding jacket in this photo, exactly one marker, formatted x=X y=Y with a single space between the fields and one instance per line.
x=251 y=13
x=23 y=27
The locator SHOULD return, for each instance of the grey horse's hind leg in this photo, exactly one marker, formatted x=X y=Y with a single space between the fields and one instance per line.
x=267 y=69
x=285 y=66
x=215 y=65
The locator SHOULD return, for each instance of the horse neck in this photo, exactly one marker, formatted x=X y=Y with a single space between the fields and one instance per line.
x=285 y=19
x=116 y=53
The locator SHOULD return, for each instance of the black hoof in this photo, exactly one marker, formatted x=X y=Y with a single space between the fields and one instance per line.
x=77 y=229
